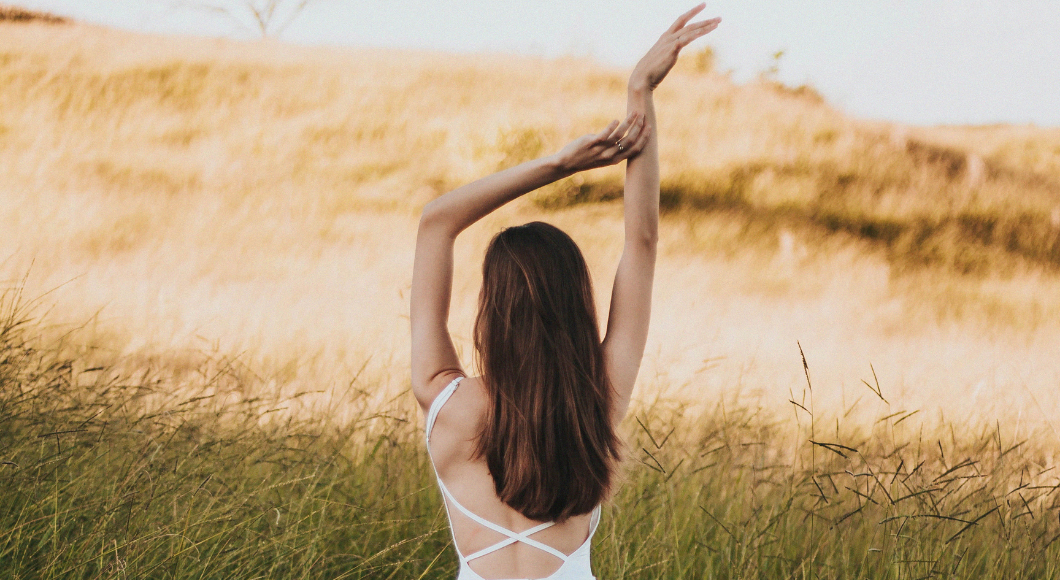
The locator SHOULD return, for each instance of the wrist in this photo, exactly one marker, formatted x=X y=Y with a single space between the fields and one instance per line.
x=638 y=88
x=557 y=166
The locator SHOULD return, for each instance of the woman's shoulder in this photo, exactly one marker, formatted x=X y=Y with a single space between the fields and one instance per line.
x=427 y=394
x=456 y=425
x=469 y=398
x=464 y=407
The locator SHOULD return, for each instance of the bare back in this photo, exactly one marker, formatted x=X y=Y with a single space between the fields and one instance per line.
x=452 y=447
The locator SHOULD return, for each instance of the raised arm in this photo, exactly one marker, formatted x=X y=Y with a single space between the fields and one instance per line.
x=434 y=360
x=627 y=323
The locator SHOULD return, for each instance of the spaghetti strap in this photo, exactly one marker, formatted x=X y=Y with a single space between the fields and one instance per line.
x=436 y=406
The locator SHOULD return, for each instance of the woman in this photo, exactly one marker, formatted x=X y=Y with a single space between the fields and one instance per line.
x=526 y=452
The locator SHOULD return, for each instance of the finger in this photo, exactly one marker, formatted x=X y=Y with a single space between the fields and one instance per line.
x=634 y=131
x=615 y=150
x=606 y=132
x=684 y=18
x=634 y=144
x=713 y=22
x=701 y=27
x=686 y=38
x=645 y=138
x=617 y=134
x=642 y=141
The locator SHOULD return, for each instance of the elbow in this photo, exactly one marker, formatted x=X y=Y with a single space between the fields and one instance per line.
x=644 y=239
x=433 y=220
x=430 y=215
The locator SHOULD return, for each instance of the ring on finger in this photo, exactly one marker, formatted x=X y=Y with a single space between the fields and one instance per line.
x=621 y=147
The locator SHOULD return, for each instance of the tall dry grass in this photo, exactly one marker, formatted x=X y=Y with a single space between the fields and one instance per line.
x=204 y=474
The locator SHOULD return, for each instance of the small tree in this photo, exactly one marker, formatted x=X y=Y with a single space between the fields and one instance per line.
x=265 y=17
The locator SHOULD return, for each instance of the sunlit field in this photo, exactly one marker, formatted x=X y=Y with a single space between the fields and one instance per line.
x=206 y=256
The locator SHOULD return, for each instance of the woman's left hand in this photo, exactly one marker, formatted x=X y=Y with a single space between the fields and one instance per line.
x=619 y=141
x=653 y=68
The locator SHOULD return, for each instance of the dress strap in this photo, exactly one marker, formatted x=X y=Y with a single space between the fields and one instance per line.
x=594 y=521
x=512 y=536
x=436 y=406
x=520 y=537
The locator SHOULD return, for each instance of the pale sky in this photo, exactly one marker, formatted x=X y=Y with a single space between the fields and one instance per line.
x=914 y=61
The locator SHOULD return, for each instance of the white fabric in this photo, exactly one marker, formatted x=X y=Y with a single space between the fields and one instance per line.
x=575 y=565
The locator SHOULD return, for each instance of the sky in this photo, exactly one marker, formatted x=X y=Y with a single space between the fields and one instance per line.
x=912 y=61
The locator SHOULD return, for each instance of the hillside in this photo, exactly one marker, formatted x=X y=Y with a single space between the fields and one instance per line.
x=973 y=199
x=188 y=194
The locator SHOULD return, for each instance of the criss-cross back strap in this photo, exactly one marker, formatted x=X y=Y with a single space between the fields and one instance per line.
x=512 y=536
x=520 y=537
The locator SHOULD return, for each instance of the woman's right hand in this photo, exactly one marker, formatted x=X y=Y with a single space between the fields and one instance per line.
x=654 y=66
x=619 y=141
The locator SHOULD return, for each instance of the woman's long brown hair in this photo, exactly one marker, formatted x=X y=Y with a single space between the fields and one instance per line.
x=548 y=438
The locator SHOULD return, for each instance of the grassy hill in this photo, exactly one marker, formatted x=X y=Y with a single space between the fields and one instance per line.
x=171 y=117
x=205 y=193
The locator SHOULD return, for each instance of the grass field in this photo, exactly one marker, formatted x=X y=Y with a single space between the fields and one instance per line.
x=206 y=374
x=202 y=474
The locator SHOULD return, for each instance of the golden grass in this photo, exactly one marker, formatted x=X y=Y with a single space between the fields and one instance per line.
x=259 y=201
x=206 y=472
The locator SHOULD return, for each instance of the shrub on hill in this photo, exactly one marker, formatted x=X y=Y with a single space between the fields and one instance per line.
x=20 y=15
